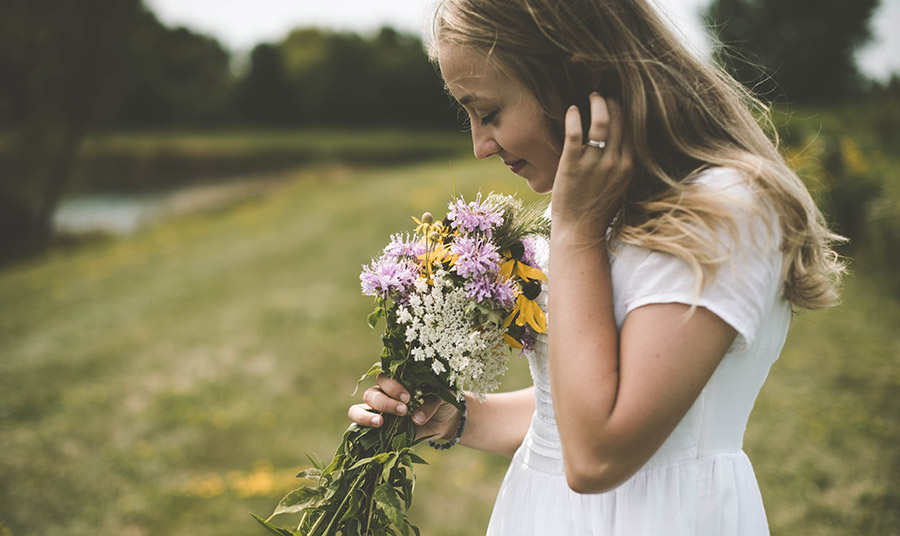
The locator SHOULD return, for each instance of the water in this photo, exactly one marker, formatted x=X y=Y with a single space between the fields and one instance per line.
x=121 y=214
x=109 y=214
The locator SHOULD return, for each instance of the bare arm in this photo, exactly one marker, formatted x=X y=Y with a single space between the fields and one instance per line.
x=498 y=425
x=617 y=396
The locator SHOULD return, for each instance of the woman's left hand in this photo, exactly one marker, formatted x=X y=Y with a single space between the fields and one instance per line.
x=591 y=182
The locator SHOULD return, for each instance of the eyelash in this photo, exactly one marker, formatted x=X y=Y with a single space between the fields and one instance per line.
x=466 y=119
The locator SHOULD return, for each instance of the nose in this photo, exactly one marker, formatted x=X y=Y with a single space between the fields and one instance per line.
x=483 y=142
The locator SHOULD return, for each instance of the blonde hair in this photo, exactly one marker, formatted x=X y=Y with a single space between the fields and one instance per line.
x=681 y=116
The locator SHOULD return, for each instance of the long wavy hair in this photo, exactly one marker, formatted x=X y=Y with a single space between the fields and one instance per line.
x=681 y=116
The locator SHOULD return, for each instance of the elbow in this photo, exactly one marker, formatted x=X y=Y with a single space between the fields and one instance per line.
x=595 y=476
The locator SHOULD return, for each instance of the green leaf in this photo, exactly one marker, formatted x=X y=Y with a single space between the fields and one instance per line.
x=388 y=467
x=387 y=500
x=377 y=459
x=373 y=317
x=315 y=460
x=310 y=474
x=368 y=441
x=374 y=370
x=448 y=397
x=297 y=500
x=399 y=442
x=272 y=528
x=354 y=502
x=415 y=458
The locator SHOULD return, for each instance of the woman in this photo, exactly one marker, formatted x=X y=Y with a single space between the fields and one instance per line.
x=681 y=242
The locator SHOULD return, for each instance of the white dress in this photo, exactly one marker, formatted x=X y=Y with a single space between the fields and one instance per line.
x=699 y=482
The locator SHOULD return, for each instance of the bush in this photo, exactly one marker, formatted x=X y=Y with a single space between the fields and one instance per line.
x=849 y=157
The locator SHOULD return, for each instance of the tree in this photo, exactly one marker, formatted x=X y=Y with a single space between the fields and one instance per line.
x=806 y=47
x=59 y=60
x=266 y=94
x=176 y=77
x=70 y=65
x=319 y=77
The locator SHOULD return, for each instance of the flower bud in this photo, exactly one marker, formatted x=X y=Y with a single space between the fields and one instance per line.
x=427 y=218
x=434 y=236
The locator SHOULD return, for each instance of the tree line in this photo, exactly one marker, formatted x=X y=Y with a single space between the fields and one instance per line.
x=69 y=67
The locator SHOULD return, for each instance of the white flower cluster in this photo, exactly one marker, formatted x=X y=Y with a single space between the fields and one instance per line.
x=442 y=327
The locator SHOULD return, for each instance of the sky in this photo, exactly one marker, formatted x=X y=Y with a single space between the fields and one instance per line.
x=241 y=24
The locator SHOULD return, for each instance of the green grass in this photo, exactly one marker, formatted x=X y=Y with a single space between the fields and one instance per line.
x=170 y=382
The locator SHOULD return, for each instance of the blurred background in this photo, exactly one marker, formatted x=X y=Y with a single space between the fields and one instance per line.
x=189 y=188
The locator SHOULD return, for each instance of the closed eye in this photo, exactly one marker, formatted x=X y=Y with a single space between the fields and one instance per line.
x=486 y=120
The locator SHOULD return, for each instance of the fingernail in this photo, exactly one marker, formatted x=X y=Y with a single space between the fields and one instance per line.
x=573 y=107
x=597 y=93
x=401 y=409
x=419 y=418
x=404 y=397
x=376 y=420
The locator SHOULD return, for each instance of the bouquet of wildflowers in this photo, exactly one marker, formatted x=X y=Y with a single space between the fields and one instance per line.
x=454 y=294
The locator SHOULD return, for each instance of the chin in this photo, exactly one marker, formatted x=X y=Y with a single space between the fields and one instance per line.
x=540 y=185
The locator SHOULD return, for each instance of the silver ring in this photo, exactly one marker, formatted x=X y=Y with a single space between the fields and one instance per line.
x=596 y=144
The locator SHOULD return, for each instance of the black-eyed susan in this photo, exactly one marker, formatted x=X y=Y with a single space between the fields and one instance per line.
x=512 y=266
x=526 y=310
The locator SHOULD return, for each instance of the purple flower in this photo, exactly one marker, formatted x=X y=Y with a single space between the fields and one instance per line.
x=529 y=257
x=484 y=289
x=528 y=340
x=404 y=246
x=505 y=293
x=388 y=276
x=475 y=257
x=473 y=217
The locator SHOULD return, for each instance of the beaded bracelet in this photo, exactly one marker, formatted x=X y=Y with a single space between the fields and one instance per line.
x=459 y=431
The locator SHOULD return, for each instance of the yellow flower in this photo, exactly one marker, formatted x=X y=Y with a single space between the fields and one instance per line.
x=512 y=342
x=424 y=225
x=435 y=254
x=511 y=268
x=527 y=312
x=427 y=225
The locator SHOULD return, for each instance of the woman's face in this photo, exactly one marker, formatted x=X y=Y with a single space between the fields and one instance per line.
x=506 y=118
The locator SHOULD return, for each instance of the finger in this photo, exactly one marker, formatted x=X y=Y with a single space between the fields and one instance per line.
x=427 y=410
x=362 y=415
x=599 y=129
x=614 y=128
x=378 y=400
x=572 y=147
x=393 y=388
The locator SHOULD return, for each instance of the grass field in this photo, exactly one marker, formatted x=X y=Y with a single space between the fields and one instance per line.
x=170 y=382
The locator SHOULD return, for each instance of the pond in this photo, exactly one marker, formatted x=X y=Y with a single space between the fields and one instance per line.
x=124 y=214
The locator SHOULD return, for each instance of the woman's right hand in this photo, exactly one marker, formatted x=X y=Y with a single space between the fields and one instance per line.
x=433 y=418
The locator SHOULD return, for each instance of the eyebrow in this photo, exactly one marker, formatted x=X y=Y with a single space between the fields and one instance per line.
x=470 y=97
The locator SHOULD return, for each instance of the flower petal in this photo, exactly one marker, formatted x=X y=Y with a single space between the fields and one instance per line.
x=540 y=324
x=531 y=273
x=511 y=341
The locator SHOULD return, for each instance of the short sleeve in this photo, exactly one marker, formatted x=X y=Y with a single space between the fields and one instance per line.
x=744 y=285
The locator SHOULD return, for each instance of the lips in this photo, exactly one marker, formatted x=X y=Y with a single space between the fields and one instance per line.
x=516 y=166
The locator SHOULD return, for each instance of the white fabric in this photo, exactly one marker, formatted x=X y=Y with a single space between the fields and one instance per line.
x=699 y=482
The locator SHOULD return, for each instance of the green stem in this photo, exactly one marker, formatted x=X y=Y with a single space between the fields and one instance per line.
x=337 y=513
x=316 y=524
x=371 y=511
x=302 y=519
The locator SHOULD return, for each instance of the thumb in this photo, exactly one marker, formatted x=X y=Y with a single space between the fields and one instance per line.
x=427 y=410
